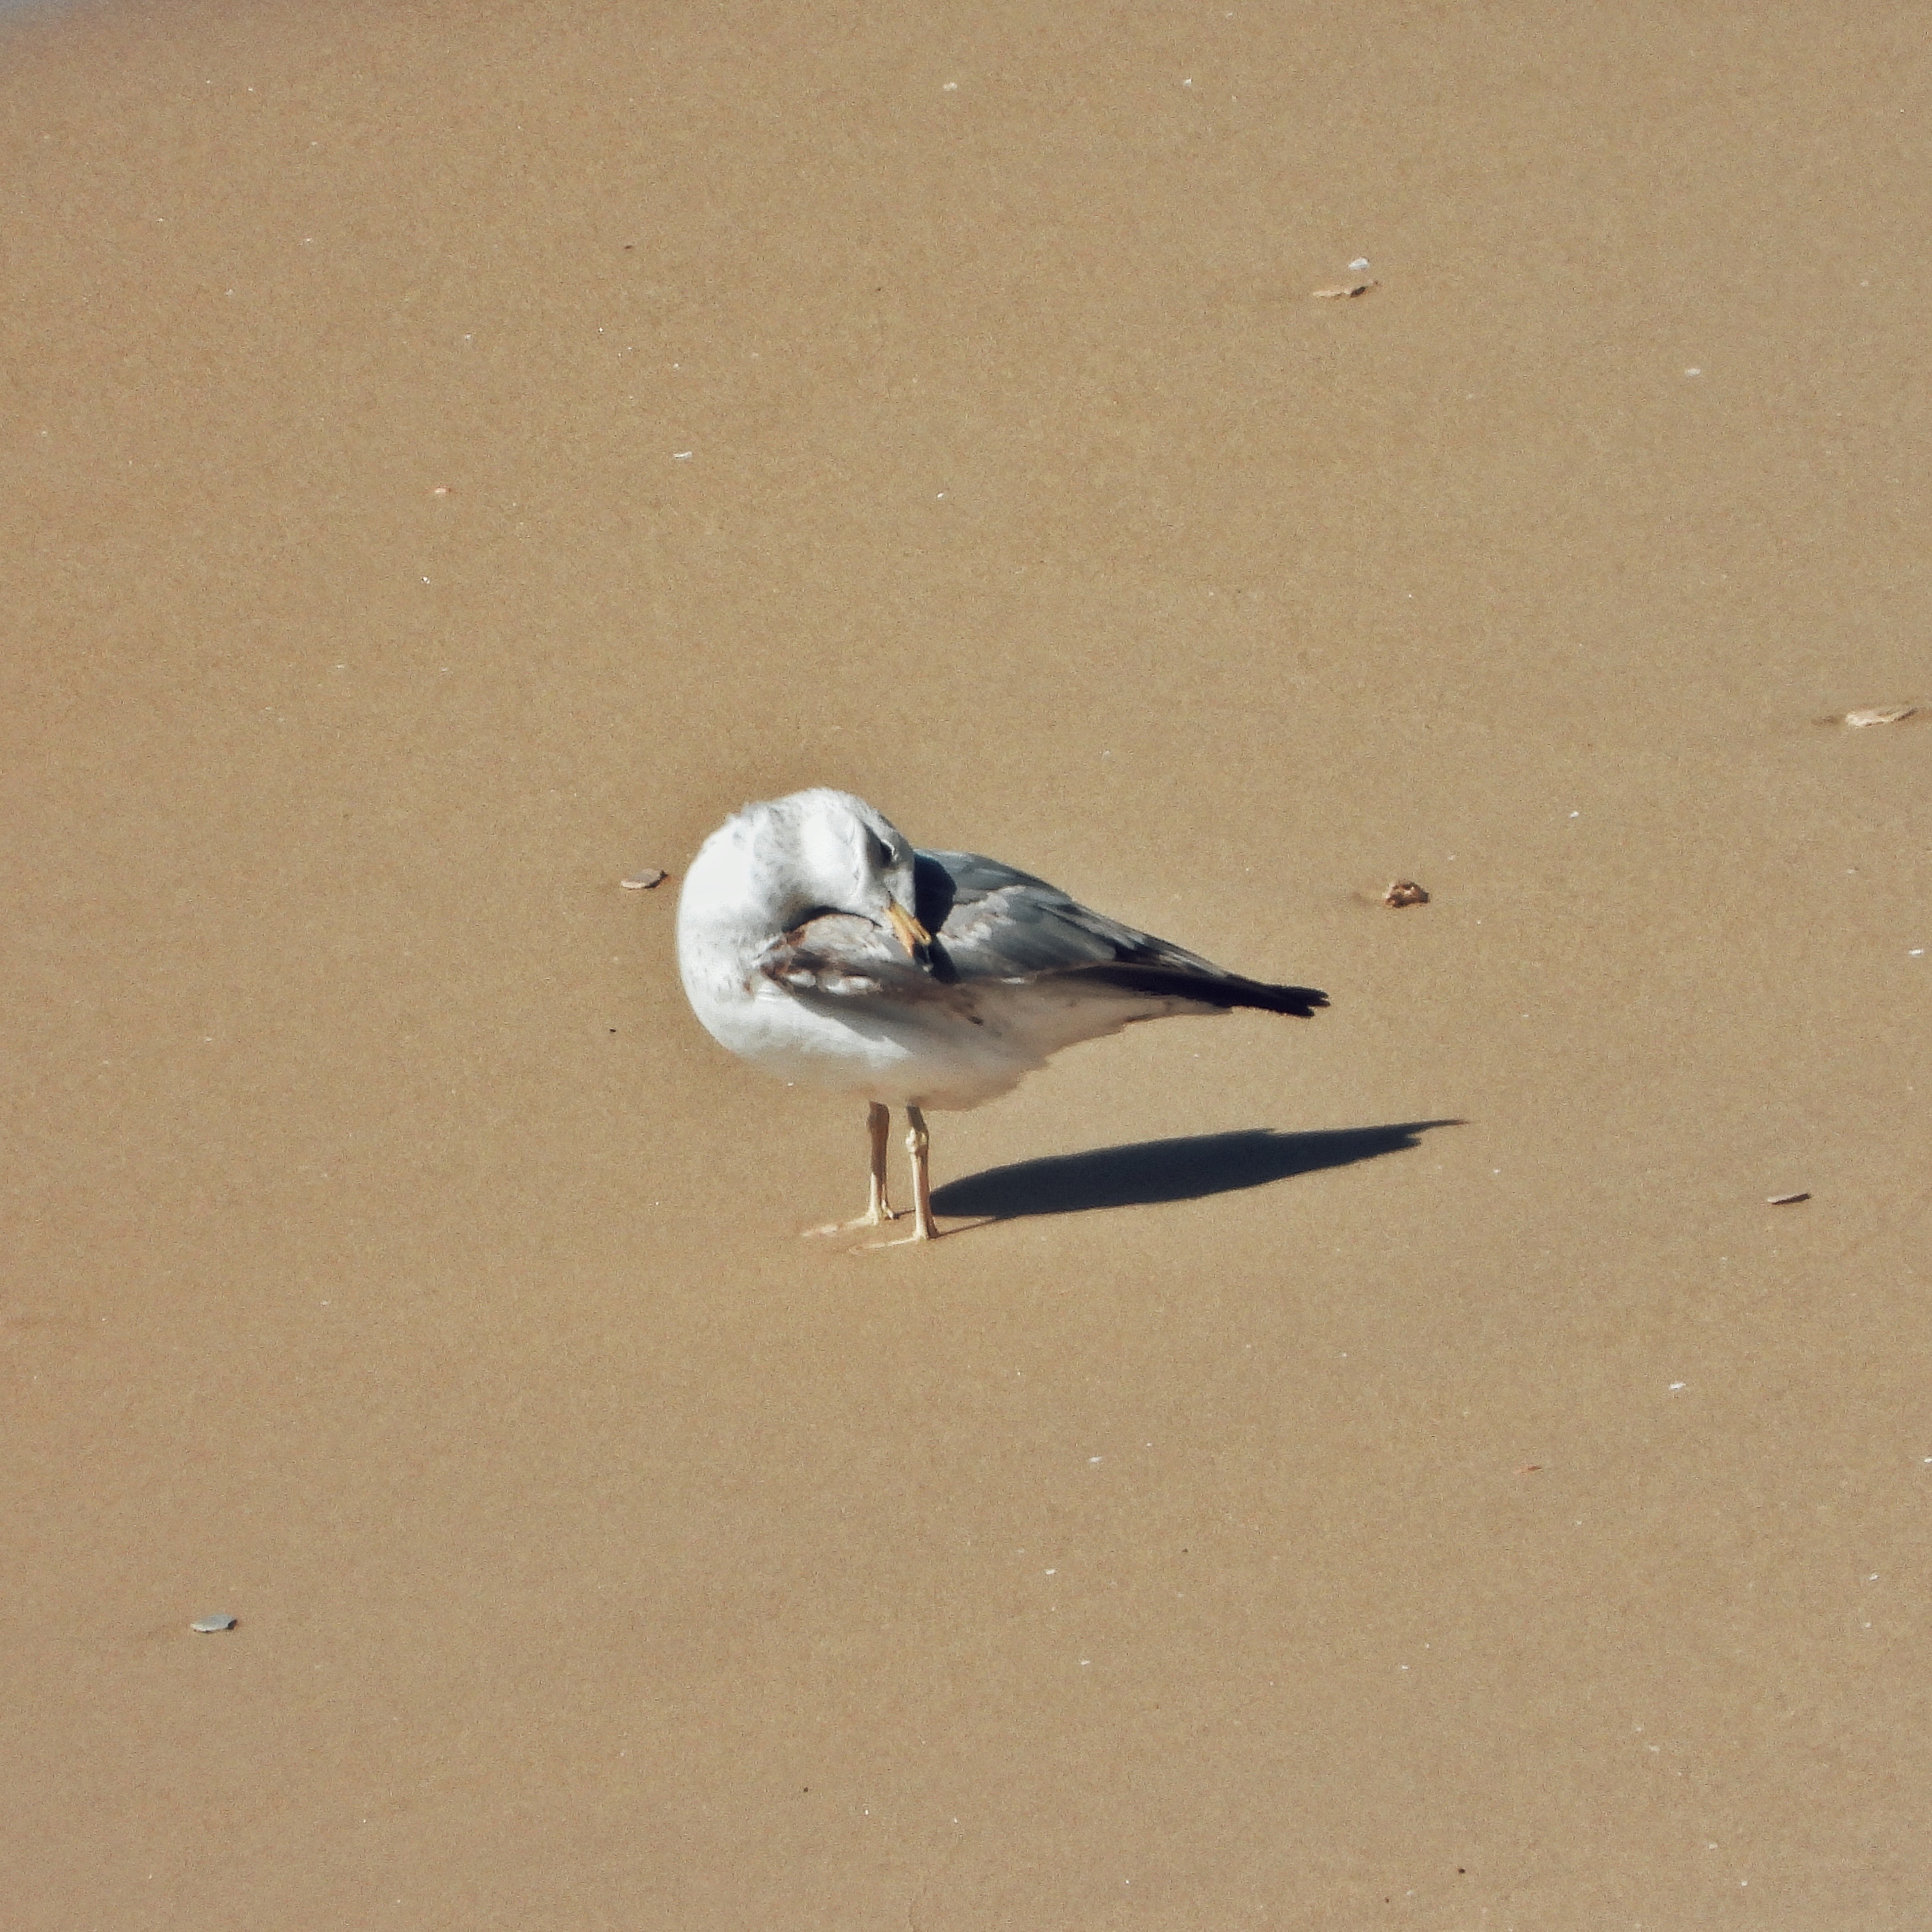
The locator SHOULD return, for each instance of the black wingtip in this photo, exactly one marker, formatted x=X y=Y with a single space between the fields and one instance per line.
x=1227 y=993
x=1301 y=1001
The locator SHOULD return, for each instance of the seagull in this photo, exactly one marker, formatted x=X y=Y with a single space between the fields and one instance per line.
x=815 y=941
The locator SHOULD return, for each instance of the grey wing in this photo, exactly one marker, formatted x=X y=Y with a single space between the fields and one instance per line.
x=996 y=922
x=990 y=922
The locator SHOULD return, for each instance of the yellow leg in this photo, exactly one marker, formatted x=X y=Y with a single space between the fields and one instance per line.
x=918 y=1140
x=878 y=1209
x=878 y=1126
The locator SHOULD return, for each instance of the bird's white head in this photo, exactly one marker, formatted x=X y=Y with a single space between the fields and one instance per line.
x=778 y=864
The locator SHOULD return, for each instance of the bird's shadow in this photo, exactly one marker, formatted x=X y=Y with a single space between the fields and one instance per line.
x=1144 y=1172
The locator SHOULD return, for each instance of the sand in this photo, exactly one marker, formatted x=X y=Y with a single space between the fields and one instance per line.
x=1393 y=1468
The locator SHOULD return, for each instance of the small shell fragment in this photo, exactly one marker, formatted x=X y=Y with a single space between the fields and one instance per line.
x=642 y=882
x=208 y=1626
x=1344 y=290
x=1405 y=892
x=1787 y=1200
x=1880 y=714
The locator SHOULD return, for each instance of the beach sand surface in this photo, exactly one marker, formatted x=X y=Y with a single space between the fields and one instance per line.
x=1391 y=1468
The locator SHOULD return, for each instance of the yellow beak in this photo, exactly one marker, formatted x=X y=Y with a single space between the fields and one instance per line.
x=911 y=934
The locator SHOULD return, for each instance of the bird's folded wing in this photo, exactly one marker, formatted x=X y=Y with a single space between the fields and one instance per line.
x=1003 y=929
x=991 y=922
x=1003 y=924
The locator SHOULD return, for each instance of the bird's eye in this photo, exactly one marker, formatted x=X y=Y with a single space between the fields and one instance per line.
x=882 y=853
